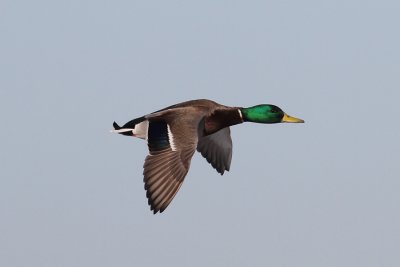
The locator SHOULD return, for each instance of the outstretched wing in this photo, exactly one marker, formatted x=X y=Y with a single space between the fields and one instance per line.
x=217 y=149
x=171 y=143
x=164 y=172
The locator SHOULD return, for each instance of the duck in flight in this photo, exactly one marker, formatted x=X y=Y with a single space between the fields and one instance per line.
x=174 y=133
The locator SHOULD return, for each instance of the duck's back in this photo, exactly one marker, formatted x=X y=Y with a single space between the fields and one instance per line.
x=198 y=103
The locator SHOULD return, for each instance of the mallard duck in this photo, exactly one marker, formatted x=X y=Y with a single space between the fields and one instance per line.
x=174 y=133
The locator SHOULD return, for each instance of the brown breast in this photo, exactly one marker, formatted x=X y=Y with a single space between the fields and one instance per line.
x=221 y=118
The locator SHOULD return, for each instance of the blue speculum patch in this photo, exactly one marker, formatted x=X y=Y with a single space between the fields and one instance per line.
x=158 y=136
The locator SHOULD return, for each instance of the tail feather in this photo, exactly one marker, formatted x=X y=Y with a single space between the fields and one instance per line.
x=128 y=127
x=116 y=126
x=121 y=130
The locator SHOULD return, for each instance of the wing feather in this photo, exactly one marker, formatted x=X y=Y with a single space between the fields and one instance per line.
x=217 y=149
x=163 y=183
x=173 y=137
x=170 y=196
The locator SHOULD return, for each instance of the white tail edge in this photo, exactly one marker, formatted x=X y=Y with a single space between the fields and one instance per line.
x=122 y=130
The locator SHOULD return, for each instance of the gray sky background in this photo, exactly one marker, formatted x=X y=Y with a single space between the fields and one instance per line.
x=325 y=193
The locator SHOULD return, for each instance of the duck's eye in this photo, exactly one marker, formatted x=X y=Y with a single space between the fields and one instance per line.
x=274 y=111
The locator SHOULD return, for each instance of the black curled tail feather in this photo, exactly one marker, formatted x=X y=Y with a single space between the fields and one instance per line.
x=116 y=126
x=129 y=125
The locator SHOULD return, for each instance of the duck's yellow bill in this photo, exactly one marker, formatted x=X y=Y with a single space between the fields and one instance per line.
x=287 y=118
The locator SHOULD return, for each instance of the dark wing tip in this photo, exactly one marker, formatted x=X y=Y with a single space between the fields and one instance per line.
x=154 y=209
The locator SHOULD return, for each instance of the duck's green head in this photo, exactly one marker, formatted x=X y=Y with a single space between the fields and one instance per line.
x=267 y=114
